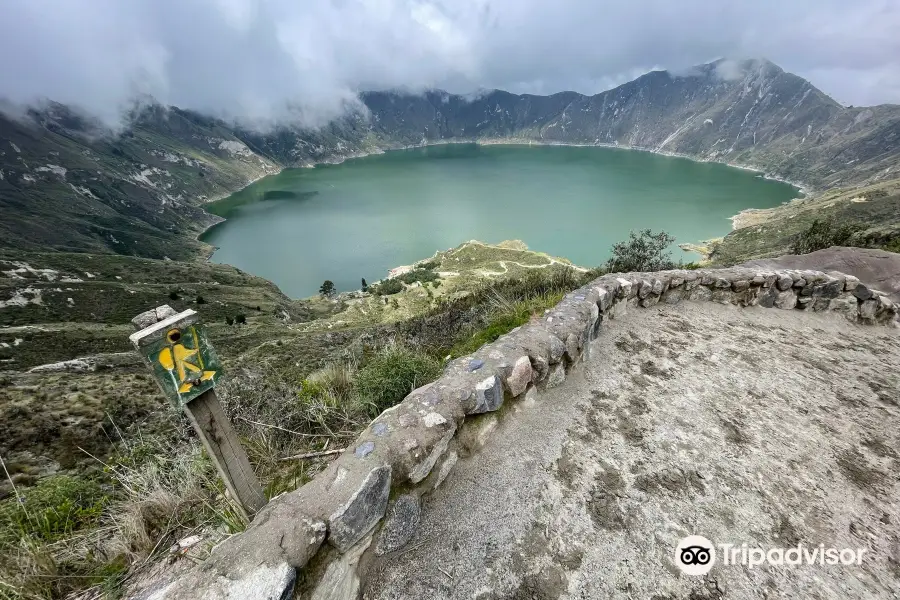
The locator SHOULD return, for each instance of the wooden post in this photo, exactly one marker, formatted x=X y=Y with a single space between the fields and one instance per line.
x=185 y=366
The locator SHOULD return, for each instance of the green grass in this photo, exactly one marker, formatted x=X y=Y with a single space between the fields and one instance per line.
x=392 y=374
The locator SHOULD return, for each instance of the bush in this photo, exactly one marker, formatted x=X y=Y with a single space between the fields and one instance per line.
x=201 y=300
x=173 y=295
x=421 y=275
x=387 y=287
x=240 y=318
x=823 y=234
x=392 y=374
x=644 y=251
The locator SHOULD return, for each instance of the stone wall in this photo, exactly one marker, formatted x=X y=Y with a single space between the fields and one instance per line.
x=369 y=499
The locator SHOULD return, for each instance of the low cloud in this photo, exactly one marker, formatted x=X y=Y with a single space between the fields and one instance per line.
x=268 y=61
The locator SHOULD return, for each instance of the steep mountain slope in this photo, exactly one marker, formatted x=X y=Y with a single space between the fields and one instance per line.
x=752 y=114
x=66 y=184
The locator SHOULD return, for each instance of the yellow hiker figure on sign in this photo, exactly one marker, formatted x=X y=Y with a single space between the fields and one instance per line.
x=185 y=362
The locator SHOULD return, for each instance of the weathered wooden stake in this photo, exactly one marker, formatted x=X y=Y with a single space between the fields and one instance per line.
x=186 y=368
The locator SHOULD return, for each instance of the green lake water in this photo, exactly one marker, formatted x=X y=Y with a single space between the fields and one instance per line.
x=367 y=215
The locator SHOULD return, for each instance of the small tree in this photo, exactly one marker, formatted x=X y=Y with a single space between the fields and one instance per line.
x=173 y=295
x=229 y=320
x=644 y=251
x=201 y=300
x=240 y=319
x=327 y=288
x=365 y=286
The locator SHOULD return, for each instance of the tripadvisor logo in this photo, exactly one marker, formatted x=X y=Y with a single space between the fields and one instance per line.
x=696 y=555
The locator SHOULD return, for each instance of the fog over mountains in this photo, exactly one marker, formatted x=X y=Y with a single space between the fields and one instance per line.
x=67 y=183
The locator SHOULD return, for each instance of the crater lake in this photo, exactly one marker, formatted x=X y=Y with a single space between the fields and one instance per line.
x=366 y=215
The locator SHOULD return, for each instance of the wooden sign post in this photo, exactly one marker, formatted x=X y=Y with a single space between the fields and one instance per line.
x=184 y=364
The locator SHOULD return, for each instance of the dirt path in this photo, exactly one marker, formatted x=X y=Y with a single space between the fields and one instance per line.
x=503 y=263
x=756 y=426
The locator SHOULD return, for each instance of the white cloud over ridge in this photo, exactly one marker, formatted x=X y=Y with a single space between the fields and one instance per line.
x=262 y=61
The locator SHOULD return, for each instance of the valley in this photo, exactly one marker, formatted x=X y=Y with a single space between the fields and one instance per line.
x=98 y=225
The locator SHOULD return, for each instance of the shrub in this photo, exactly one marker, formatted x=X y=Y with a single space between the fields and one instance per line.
x=387 y=287
x=173 y=295
x=240 y=318
x=421 y=275
x=229 y=320
x=201 y=300
x=644 y=251
x=392 y=374
x=823 y=234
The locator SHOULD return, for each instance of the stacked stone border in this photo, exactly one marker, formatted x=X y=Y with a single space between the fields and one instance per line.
x=369 y=499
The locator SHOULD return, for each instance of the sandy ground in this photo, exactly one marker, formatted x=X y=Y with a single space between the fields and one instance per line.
x=759 y=426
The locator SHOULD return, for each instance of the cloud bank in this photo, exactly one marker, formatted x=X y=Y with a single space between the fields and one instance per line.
x=265 y=61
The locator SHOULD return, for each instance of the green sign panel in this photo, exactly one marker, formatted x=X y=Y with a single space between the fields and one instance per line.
x=183 y=361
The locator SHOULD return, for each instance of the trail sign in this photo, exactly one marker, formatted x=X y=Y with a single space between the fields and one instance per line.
x=186 y=367
x=180 y=356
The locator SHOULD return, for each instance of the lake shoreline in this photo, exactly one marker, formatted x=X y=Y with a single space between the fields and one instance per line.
x=739 y=220
x=740 y=191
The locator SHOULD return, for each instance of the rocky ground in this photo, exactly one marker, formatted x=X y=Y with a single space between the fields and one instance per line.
x=756 y=426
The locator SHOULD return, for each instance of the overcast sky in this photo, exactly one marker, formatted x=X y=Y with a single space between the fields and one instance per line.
x=264 y=60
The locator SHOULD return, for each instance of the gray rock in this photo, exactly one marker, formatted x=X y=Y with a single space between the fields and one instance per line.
x=379 y=429
x=400 y=525
x=341 y=580
x=625 y=288
x=573 y=347
x=676 y=282
x=421 y=470
x=475 y=364
x=540 y=368
x=831 y=289
x=722 y=283
x=784 y=282
x=557 y=349
x=786 y=300
x=768 y=296
x=657 y=288
x=352 y=521
x=862 y=292
x=445 y=467
x=800 y=283
x=488 y=396
x=264 y=583
x=557 y=375
x=144 y=320
x=869 y=308
x=644 y=288
x=364 y=449
x=850 y=283
x=164 y=312
x=740 y=285
x=520 y=377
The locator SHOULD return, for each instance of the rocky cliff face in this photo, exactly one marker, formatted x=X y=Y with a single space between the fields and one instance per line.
x=67 y=184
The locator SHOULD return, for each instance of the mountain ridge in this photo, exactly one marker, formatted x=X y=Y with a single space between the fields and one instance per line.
x=140 y=193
